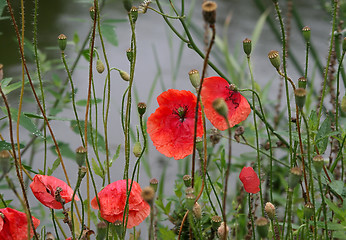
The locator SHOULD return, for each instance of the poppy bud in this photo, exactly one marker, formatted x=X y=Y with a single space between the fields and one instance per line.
x=118 y=227
x=294 y=177
x=343 y=104
x=274 y=58
x=318 y=162
x=300 y=95
x=141 y=107
x=199 y=144
x=124 y=75
x=62 y=41
x=154 y=183
x=344 y=45
x=209 y=11
x=247 y=46
x=308 y=210
x=262 y=227
x=195 y=79
x=49 y=236
x=187 y=180
x=148 y=194
x=101 y=230
x=306 y=33
x=220 y=107
x=190 y=201
x=129 y=54
x=99 y=66
x=137 y=149
x=215 y=222
x=222 y=231
x=81 y=153
x=5 y=161
x=127 y=5
x=197 y=211
x=302 y=82
x=92 y=12
x=134 y=14
x=270 y=210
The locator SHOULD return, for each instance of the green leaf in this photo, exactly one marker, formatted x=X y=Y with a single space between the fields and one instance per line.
x=223 y=160
x=168 y=208
x=337 y=186
x=321 y=140
x=7 y=146
x=340 y=213
x=65 y=150
x=83 y=102
x=7 y=88
x=97 y=168
x=108 y=32
x=165 y=233
x=55 y=165
x=313 y=121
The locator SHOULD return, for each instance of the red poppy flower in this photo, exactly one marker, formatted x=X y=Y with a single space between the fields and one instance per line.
x=238 y=107
x=171 y=126
x=44 y=187
x=14 y=225
x=250 y=180
x=113 y=199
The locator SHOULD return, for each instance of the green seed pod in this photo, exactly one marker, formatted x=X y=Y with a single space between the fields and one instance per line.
x=92 y=13
x=294 y=177
x=215 y=222
x=187 y=180
x=99 y=66
x=129 y=54
x=318 y=162
x=137 y=149
x=154 y=183
x=220 y=107
x=81 y=153
x=308 y=210
x=134 y=14
x=300 y=95
x=124 y=75
x=101 y=230
x=247 y=46
x=118 y=226
x=262 y=227
x=209 y=11
x=306 y=33
x=302 y=82
x=141 y=107
x=195 y=78
x=274 y=58
x=62 y=41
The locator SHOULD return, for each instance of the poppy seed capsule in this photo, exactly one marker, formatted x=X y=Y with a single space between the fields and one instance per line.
x=5 y=161
x=62 y=41
x=195 y=78
x=294 y=177
x=81 y=153
x=302 y=82
x=99 y=66
x=129 y=54
x=124 y=75
x=220 y=107
x=300 y=95
x=247 y=46
x=137 y=149
x=270 y=210
x=141 y=107
x=306 y=33
x=274 y=58
x=209 y=12
x=118 y=227
x=343 y=104
x=262 y=227
x=318 y=162
x=92 y=12
x=134 y=14
x=215 y=222
x=308 y=210
x=223 y=230
x=187 y=180
x=154 y=183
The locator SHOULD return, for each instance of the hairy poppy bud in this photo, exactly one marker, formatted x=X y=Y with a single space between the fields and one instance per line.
x=294 y=177
x=49 y=236
x=137 y=149
x=318 y=162
x=247 y=46
x=187 y=180
x=81 y=153
x=195 y=79
x=262 y=227
x=306 y=33
x=62 y=41
x=274 y=58
x=99 y=66
x=124 y=75
x=300 y=95
x=223 y=230
x=154 y=183
x=197 y=211
x=148 y=194
x=302 y=82
x=308 y=210
x=209 y=11
x=220 y=107
x=270 y=210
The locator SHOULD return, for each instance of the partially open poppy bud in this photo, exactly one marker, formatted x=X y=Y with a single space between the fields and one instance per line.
x=92 y=12
x=220 y=106
x=190 y=201
x=124 y=75
x=318 y=162
x=5 y=161
x=99 y=66
x=141 y=107
x=274 y=58
x=134 y=14
x=129 y=54
x=148 y=194
x=197 y=211
x=154 y=183
x=222 y=231
x=308 y=210
x=343 y=104
x=247 y=46
x=137 y=149
x=270 y=210
x=195 y=79
x=81 y=153
x=187 y=180
x=101 y=230
x=127 y=5
x=306 y=33
x=209 y=11
x=262 y=227
x=294 y=177
x=300 y=95
x=215 y=222
x=62 y=41
x=302 y=82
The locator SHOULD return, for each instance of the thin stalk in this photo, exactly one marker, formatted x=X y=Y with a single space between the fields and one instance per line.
x=251 y=217
x=307 y=60
x=54 y=224
x=289 y=213
x=338 y=91
x=323 y=207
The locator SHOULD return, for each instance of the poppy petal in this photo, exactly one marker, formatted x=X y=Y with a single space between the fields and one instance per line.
x=250 y=180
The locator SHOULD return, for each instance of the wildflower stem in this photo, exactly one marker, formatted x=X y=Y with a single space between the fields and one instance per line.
x=338 y=91
x=251 y=217
x=54 y=224
x=323 y=206
x=307 y=60
x=165 y=15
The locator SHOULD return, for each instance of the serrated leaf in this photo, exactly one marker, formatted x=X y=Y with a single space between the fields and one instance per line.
x=108 y=31
x=55 y=165
x=8 y=146
x=320 y=139
x=97 y=168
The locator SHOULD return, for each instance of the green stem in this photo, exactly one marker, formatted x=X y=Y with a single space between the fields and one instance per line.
x=323 y=206
x=338 y=91
x=307 y=60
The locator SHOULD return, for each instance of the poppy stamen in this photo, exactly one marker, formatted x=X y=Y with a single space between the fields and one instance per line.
x=181 y=112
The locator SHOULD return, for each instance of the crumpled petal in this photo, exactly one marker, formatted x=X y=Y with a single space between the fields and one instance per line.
x=250 y=180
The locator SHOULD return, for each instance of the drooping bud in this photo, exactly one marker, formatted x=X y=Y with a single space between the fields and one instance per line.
x=195 y=79
x=247 y=46
x=127 y=5
x=153 y=183
x=92 y=13
x=262 y=227
x=215 y=222
x=343 y=104
x=62 y=41
x=302 y=82
x=134 y=14
x=129 y=54
x=81 y=153
x=5 y=161
x=223 y=230
x=101 y=230
x=99 y=66
x=197 y=211
x=137 y=149
x=306 y=33
x=318 y=162
x=294 y=177
x=209 y=12
x=148 y=194
x=270 y=210
x=187 y=180
x=124 y=75
x=274 y=58
x=141 y=107
x=220 y=107
x=308 y=210
x=300 y=95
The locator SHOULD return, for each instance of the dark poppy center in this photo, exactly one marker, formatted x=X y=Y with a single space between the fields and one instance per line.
x=181 y=112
